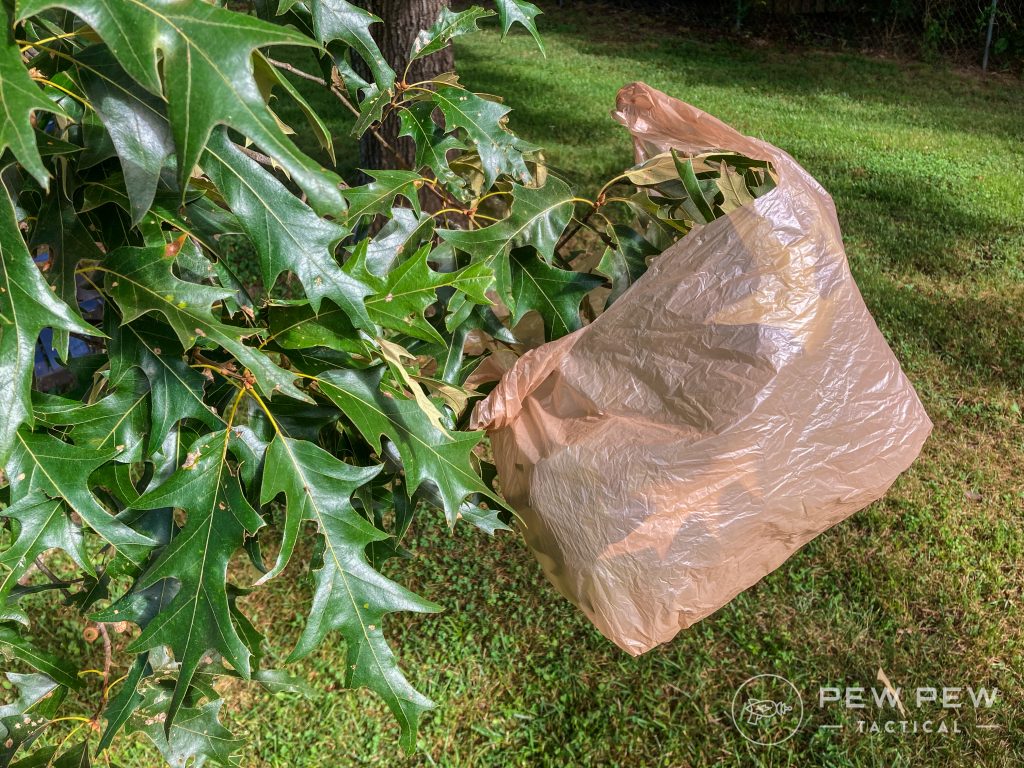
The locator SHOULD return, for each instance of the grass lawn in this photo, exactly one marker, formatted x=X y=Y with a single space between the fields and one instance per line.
x=925 y=165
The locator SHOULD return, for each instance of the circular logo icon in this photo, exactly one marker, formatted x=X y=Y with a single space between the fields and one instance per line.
x=767 y=710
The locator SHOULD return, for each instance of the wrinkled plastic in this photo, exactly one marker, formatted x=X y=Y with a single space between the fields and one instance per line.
x=734 y=403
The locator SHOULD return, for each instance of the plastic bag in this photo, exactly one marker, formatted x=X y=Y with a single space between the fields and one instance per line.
x=734 y=403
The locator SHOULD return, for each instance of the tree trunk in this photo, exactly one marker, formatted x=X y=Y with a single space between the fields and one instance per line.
x=403 y=19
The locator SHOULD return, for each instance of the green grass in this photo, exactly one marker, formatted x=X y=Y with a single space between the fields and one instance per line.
x=924 y=164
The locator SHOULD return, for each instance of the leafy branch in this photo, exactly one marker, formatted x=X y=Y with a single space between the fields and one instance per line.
x=168 y=421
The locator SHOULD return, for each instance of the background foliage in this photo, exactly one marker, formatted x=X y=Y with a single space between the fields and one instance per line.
x=931 y=30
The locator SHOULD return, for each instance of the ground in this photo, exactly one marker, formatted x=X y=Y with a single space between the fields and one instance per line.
x=924 y=163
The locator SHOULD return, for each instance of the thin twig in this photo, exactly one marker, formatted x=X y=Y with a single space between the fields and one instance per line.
x=51 y=575
x=259 y=157
x=296 y=71
x=107 y=655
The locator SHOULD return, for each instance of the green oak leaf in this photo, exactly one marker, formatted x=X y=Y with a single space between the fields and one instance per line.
x=654 y=219
x=203 y=217
x=19 y=98
x=42 y=523
x=379 y=195
x=68 y=242
x=484 y=518
x=371 y=108
x=195 y=736
x=693 y=189
x=38 y=699
x=92 y=590
x=50 y=146
x=626 y=261
x=31 y=688
x=116 y=422
x=142 y=605
x=27 y=305
x=341 y=20
x=760 y=181
x=286 y=232
x=401 y=299
x=176 y=390
x=60 y=671
x=448 y=26
x=135 y=119
x=401 y=234
x=432 y=143
x=519 y=12
x=125 y=702
x=500 y=151
x=554 y=293
x=202 y=220
x=538 y=217
x=316 y=484
x=204 y=53
x=280 y=681
x=76 y=757
x=41 y=462
x=350 y=595
x=315 y=360
x=299 y=328
x=353 y=83
x=118 y=480
x=198 y=619
x=47 y=757
x=428 y=454
x=140 y=280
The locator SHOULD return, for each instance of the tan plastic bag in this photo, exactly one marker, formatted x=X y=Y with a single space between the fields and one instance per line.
x=734 y=403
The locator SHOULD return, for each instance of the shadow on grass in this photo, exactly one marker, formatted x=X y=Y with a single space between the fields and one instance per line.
x=964 y=101
x=980 y=337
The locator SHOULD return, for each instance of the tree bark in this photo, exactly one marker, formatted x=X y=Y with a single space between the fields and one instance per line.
x=403 y=19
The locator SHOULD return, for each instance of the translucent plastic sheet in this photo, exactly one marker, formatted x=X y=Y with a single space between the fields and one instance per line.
x=734 y=403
